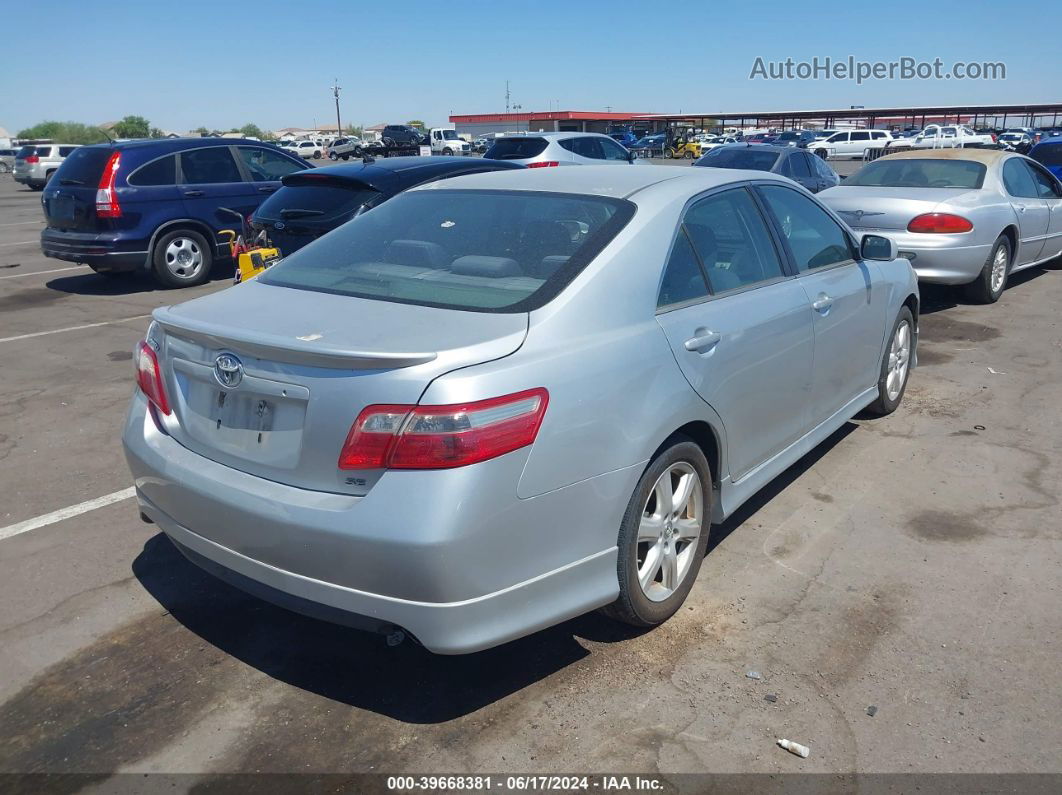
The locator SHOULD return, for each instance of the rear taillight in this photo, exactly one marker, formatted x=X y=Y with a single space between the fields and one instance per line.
x=442 y=437
x=993 y=137
x=939 y=224
x=106 y=199
x=32 y=159
x=544 y=164
x=149 y=377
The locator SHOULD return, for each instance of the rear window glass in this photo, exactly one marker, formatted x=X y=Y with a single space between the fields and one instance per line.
x=25 y=151
x=740 y=157
x=919 y=173
x=486 y=251
x=516 y=148
x=314 y=201
x=85 y=165
x=159 y=172
x=1048 y=155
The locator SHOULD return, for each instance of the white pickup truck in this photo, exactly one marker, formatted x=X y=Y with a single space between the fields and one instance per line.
x=447 y=142
x=936 y=136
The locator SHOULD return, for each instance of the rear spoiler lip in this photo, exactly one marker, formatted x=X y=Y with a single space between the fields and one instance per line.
x=289 y=350
x=308 y=177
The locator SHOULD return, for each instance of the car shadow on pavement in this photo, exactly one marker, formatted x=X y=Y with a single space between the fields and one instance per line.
x=776 y=487
x=357 y=668
x=91 y=283
x=939 y=297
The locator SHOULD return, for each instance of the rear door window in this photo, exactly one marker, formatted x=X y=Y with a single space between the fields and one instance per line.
x=158 y=172
x=209 y=166
x=266 y=166
x=1046 y=184
x=731 y=238
x=799 y=165
x=1018 y=181
x=683 y=280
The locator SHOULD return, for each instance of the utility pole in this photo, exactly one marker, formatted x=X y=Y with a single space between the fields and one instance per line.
x=506 y=96
x=517 y=109
x=336 y=88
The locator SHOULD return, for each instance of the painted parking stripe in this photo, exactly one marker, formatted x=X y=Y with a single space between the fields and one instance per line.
x=71 y=328
x=65 y=513
x=41 y=273
x=20 y=243
x=22 y=223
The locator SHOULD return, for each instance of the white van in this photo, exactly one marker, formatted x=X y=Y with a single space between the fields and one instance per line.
x=851 y=143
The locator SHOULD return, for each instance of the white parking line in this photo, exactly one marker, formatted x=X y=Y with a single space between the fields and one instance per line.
x=22 y=223
x=41 y=273
x=20 y=243
x=71 y=328
x=65 y=513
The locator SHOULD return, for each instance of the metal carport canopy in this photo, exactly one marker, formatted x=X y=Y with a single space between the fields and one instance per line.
x=1024 y=109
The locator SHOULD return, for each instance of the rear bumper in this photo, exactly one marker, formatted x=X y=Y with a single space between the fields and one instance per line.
x=450 y=557
x=942 y=259
x=103 y=251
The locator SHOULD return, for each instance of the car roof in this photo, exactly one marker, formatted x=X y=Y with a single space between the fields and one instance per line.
x=392 y=174
x=177 y=144
x=760 y=147
x=1046 y=142
x=556 y=136
x=616 y=181
x=985 y=156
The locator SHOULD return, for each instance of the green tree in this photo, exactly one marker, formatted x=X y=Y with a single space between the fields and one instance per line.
x=201 y=131
x=417 y=123
x=251 y=131
x=355 y=130
x=157 y=133
x=133 y=127
x=67 y=132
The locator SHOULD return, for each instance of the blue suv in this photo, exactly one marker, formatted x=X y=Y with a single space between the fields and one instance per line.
x=158 y=205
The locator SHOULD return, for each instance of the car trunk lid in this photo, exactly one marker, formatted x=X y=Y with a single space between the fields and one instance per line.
x=869 y=208
x=307 y=363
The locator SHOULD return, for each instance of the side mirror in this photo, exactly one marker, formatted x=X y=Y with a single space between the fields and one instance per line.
x=876 y=247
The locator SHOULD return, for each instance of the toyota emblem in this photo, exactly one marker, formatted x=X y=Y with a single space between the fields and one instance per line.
x=228 y=370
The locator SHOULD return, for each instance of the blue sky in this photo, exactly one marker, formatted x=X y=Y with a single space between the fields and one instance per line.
x=222 y=64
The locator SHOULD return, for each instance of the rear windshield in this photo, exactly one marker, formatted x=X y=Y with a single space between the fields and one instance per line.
x=920 y=173
x=1050 y=155
x=740 y=157
x=25 y=151
x=84 y=166
x=309 y=202
x=516 y=148
x=483 y=251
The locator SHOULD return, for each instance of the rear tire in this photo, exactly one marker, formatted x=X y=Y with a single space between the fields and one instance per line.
x=822 y=153
x=661 y=545
x=333 y=156
x=181 y=258
x=992 y=280
x=895 y=365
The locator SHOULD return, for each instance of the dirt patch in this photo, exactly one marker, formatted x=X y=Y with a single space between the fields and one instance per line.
x=120 y=356
x=928 y=356
x=31 y=299
x=114 y=702
x=940 y=327
x=945 y=526
x=818 y=495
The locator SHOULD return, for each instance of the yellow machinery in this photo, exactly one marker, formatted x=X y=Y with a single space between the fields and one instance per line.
x=253 y=254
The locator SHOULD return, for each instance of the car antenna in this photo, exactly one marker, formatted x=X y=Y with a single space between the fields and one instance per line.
x=107 y=134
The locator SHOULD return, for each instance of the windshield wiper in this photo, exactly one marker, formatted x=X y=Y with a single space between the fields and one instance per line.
x=295 y=212
x=69 y=181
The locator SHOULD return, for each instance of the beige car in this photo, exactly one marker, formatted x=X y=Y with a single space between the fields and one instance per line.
x=35 y=164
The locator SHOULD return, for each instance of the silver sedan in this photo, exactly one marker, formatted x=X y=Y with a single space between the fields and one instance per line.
x=500 y=401
x=961 y=216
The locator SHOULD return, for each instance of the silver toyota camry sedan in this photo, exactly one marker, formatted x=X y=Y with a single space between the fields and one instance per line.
x=503 y=400
x=961 y=216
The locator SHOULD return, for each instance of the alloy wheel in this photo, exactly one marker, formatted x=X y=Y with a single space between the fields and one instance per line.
x=899 y=360
x=999 y=269
x=668 y=531
x=184 y=258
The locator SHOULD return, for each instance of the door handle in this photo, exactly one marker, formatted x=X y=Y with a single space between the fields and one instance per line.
x=266 y=189
x=193 y=193
x=822 y=303
x=703 y=340
x=1021 y=208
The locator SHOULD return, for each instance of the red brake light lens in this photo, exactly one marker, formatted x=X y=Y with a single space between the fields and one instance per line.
x=149 y=377
x=443 y=437
x=544 y=164
x=940 y=224
x=106 y=199
x=32 y=159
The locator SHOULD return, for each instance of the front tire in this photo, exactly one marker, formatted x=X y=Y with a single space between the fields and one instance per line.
x=663 y=535
x=333 y=156
x=992 y=280
x=181 y=258
x=822 y=153
x=895 y=365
